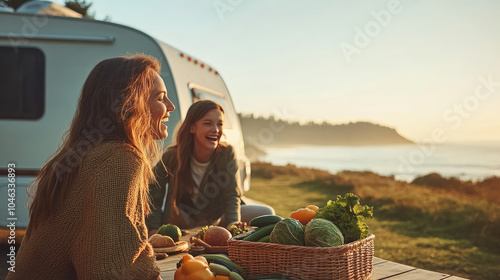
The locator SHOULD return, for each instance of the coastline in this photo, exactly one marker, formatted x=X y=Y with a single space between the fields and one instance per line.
x=469 y=161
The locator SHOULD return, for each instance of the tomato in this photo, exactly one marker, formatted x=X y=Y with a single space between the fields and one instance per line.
x=304 y=215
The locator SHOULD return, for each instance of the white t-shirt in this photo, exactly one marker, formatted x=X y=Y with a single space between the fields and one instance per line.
x=198 y=171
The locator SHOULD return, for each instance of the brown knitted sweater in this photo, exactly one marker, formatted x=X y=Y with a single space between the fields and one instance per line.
x=98 y=232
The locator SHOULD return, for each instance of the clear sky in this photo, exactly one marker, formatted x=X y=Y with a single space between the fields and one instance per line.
x=416 y=66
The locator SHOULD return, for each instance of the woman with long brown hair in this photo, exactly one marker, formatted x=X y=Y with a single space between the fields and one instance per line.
x=87 y=215
x=202 y=176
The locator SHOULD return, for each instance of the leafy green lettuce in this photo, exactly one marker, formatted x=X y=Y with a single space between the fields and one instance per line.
x=348 y=215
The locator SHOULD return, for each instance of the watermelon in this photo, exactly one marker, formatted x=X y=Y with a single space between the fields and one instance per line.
x=322 y=233
x=288 y=232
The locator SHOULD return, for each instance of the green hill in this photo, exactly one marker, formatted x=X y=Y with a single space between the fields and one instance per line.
x=260 y=131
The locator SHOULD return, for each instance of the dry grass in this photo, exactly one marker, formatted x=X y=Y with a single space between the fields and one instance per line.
x=434 y=223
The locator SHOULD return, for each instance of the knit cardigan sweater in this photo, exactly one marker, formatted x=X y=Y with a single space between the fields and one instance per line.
x=98 y=231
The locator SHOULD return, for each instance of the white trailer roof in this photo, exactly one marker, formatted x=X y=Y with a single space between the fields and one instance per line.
x=47 y=8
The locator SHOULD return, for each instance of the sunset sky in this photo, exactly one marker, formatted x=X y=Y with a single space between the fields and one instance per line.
x=416 y=66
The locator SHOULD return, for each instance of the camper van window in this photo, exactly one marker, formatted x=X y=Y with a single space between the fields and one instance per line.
x=22 y=83
x=230 y=115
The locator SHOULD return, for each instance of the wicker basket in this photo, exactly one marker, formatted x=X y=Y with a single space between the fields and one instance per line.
x=353 y=261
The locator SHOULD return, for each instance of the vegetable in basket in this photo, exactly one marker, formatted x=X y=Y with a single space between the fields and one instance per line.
x=322 y=233
x=303 y=215
x=348 y=215
x=288 y=232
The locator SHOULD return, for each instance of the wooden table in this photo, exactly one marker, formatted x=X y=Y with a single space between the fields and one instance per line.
x=382 y=269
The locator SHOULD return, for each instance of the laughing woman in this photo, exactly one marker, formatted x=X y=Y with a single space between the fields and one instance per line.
x=87 y=216
x=202 y=176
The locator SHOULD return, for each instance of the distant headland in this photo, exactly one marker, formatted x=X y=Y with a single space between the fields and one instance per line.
x=269 y=131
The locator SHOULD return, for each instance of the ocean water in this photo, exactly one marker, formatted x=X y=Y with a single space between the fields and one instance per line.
x=405 y=162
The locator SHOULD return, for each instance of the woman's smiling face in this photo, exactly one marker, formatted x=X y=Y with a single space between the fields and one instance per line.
x=160 y=107
x=208 y=130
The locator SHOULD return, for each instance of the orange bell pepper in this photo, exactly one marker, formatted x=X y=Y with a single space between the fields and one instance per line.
x=304 y=215
x=201 y=258
x=194 y=269
x=313 y=207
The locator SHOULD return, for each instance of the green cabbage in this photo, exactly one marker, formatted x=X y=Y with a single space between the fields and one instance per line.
x=322 y=233
x=288 y=232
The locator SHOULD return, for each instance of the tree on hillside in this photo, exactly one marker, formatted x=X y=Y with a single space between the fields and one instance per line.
x=15 y=3
x=80 y=6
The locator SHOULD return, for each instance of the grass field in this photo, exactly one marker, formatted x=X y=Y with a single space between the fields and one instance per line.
x=435 y=223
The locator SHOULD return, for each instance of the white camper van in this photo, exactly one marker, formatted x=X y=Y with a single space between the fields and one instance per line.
x=44 y=61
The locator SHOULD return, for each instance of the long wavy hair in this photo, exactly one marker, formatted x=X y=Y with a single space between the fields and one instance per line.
x=181 y=181
x=114 y=95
